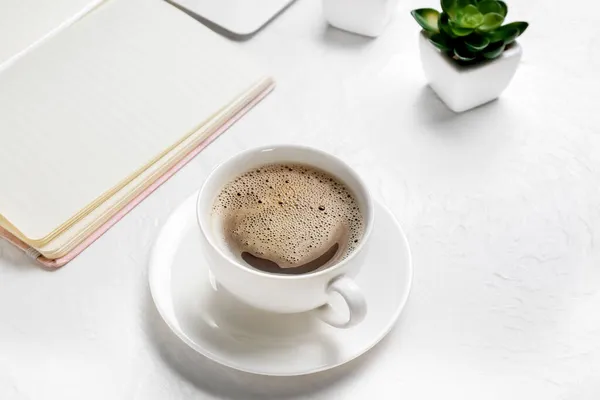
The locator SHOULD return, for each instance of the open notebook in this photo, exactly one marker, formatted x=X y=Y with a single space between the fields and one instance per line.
x=98 y=115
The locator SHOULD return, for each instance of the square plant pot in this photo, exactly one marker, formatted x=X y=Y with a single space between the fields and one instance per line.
x=465 y=87
x=365 y=17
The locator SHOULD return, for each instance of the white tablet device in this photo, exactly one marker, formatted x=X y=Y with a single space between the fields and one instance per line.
x=237 y=18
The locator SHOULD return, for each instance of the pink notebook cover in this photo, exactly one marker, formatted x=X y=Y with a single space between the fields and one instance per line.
x=59 y=262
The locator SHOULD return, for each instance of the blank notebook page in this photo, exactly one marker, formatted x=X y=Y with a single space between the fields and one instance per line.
x=103 y=98
x=23 y=22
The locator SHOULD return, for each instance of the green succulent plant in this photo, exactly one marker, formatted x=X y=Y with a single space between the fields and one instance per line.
x=470 y=31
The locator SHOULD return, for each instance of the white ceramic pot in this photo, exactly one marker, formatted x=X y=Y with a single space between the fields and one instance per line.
x=466 y=87
x=365 y=17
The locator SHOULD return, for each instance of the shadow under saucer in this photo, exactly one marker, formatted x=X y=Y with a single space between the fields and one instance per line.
x=224 y=382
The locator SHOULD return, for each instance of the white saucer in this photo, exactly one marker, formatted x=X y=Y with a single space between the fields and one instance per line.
x=202 y=314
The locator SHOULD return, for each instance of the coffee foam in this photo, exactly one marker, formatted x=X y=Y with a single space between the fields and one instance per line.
x=288 y=213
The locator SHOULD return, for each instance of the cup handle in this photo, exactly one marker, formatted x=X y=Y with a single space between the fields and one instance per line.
x=355 y=300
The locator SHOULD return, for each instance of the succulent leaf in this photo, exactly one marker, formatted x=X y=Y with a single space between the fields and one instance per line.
x=476 y=43
x=448 y=5
x=511 y=37
x=427 y=18
x=459 y=30
x=507 y=33
x=452 y=7
x=507 y=36
x=470 y=17
x=463 y=54
x=494 y=50
x=491 y=21
x=444 y=25
x=497 y=34
x=492 y=6
x=441 y=41
x=463 y=3
x=520 y=25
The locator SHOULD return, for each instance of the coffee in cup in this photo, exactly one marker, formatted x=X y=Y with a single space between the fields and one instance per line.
x=288 y=218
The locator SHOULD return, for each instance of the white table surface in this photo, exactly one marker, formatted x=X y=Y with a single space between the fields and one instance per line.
x=501 y=206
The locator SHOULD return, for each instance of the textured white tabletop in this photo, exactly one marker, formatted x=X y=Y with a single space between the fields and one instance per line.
x=501 y=206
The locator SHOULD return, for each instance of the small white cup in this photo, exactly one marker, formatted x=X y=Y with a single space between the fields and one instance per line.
x=287 y=293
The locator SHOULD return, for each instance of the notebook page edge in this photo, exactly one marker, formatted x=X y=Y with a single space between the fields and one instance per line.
x=209 y=128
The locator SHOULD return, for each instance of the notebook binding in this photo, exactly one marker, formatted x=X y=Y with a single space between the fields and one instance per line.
x=32 y=253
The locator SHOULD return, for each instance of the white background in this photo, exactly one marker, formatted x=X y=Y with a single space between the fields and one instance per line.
x=501 y=206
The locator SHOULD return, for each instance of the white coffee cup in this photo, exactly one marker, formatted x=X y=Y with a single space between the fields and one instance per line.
x=287 y=293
